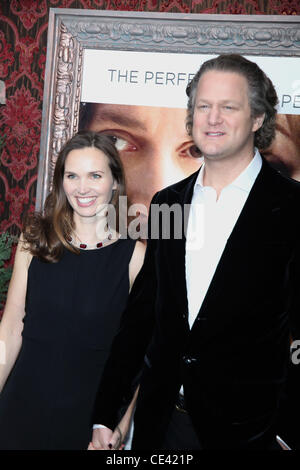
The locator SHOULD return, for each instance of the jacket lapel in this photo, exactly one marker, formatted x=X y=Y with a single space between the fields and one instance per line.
x=254 y=223
x=183 y=197
x=263 y=202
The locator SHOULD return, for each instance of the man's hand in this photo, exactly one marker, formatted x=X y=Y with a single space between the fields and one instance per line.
x=101 y=439
x=105 y=439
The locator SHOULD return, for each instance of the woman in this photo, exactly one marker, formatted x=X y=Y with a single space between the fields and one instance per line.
x=70 y=284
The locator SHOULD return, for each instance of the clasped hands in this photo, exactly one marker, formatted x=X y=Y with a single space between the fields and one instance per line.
x=106 y=439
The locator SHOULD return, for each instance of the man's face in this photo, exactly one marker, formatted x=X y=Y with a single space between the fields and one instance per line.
x=154 y=147
x=284 y=152
x=223 y=127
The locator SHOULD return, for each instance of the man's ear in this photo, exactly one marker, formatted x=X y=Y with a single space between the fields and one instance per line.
x=258 y=122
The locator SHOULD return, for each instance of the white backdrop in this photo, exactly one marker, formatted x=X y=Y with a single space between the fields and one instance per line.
x=158 y=79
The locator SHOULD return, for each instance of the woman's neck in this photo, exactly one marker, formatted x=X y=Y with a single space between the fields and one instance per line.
x=90 y=230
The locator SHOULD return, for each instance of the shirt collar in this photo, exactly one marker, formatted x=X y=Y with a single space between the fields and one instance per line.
x=245 y=180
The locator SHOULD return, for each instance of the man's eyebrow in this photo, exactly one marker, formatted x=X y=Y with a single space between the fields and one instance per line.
x=224 y=101
x=117 y=118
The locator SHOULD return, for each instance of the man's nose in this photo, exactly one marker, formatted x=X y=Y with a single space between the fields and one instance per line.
x=214 y=115
x=164 y=168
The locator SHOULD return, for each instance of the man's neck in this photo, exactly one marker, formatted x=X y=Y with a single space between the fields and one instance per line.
x=220 y=173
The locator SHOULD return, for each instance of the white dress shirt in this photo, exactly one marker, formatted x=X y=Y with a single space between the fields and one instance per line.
x=210 y=224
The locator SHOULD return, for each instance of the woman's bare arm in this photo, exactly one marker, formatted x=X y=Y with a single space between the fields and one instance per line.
x=11 y=325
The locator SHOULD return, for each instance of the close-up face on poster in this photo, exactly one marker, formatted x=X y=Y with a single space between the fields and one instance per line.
x=125 y=75
x=140 y=99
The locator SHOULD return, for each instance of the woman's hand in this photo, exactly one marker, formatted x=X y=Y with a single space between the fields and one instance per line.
x=105 y=439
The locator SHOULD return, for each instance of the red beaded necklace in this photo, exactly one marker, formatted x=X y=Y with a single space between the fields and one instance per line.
x=85 y=246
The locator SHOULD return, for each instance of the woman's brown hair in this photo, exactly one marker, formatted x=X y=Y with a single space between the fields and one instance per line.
x=46 y=234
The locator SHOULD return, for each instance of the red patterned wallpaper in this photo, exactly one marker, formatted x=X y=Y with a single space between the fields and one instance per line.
x=23 y=38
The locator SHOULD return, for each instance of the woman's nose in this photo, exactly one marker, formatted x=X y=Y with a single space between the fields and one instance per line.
x=83 y=186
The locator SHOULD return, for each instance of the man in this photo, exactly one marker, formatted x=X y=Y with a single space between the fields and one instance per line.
x=213 y=319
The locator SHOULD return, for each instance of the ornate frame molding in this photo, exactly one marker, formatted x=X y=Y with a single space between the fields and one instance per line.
x=73 y=30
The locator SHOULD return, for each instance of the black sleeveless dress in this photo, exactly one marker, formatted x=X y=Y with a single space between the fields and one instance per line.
x=73 y=310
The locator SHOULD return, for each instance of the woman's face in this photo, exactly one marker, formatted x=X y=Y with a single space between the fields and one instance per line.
x=87 y=181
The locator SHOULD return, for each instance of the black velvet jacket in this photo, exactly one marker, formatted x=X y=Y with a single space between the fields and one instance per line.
x=233 y=362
